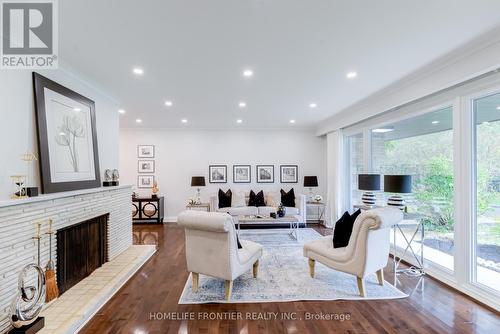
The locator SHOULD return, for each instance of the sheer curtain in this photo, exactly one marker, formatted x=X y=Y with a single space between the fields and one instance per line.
x=335 y=176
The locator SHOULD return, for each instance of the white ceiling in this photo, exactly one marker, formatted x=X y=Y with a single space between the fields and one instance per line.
x=193 y=53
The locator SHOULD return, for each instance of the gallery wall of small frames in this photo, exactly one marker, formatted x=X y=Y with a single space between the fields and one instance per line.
x=145 y=166
x=243 y=174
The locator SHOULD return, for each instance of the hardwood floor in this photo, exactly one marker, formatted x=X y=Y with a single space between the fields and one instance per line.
x=156 y=288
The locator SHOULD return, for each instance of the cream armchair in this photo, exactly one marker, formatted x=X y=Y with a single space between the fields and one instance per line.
x=367 y=251
x=211 y=248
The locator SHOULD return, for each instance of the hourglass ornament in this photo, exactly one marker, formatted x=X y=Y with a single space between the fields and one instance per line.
x=29 y=158
x=19 y=186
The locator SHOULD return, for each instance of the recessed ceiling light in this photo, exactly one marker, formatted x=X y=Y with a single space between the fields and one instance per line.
x=292 y=121
x=383 y=130
x=435 y=122
x=239 y=121
x=313 y=105
x=169 y=103
x=121 y=111
x=242 y=104
x=184 y=120
x=77 y=109
x=138 y=120
x=498 y=108
x=62 y=134
x=138 y=71
x=247 y=73
x=351 y=75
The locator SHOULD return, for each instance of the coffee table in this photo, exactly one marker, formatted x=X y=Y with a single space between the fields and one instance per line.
x=248 y=220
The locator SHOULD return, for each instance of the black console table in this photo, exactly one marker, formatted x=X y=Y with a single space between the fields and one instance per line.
x=147 y=210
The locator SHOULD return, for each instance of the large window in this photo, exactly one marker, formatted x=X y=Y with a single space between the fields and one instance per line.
x=355 y=152
x=422 y=147
x=487 y=203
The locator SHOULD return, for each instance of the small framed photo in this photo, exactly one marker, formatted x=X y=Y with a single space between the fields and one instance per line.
x=145 y=181
x=265 y=174
x=217 y=173
x=242 y=174
x=145 y=151
x=289 y=174
x=146 y=166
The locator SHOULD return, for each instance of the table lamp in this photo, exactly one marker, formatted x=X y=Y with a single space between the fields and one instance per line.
x=369 y=183
x=310 y=182
x=198 y=181
x=397 y=184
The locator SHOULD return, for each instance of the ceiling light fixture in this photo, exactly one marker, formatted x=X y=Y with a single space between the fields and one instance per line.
x=169 y=103
x=184 y=120
x=242 y=104
x=77 y=109
x=138 y=71
x=313 y=105
x=292 y=121
x=138 y=120
x=435 y=122
x=498 y=108
x=383 y=130
x=121 y=111
x=351 y=75
x=239 y=121
x=248 y=73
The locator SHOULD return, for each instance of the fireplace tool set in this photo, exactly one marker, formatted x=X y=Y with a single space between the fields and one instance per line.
x=31 y=297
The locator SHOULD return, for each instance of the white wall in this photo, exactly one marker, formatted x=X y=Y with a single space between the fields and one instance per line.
x=18 y=125
x=180 y=154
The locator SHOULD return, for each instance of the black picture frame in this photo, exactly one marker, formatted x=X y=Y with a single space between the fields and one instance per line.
x=140 y=170
x=248 y=167
x=141 y=156
x=295 y=180
x=139 y=184
x=42 y=84
x=210 y=176
x=258 y=174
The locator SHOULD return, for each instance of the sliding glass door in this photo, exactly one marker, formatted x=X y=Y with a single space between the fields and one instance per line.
x=486 y=230
x=422 y=146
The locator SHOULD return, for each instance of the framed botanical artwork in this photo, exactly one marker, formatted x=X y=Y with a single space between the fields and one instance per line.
x=265 y=174
x=67 y=137
x=145 y=181
x=217 y=174
x=145 y=151
x=146 y=166
x=242 y=174
x=289 y=174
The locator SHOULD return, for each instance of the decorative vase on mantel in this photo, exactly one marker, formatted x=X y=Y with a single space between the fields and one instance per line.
x=281 y=211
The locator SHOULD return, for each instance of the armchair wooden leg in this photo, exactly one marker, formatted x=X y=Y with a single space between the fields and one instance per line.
x=361 y=286
x=228 y=288
x=380 y=276
x=311 y=267
x=255 y=269
x=196 y=278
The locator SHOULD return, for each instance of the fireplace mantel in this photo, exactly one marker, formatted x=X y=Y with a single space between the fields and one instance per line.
x=48 y=197
x=18 y=220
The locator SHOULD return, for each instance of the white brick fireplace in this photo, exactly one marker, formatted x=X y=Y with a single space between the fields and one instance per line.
x=18 y=220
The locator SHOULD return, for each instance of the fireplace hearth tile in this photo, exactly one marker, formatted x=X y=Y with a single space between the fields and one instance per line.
x=76 y=306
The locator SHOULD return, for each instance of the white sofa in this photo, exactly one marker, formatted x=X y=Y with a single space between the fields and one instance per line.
x=299 y=211
x=211 y=248
x=368 y=249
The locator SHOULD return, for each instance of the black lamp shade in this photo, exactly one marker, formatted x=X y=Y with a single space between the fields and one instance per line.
x=369 y=182
x=198 y=181
x=310 y=181
x=400 y=184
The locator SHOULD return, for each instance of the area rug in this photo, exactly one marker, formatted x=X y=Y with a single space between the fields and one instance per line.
x=284 y=276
